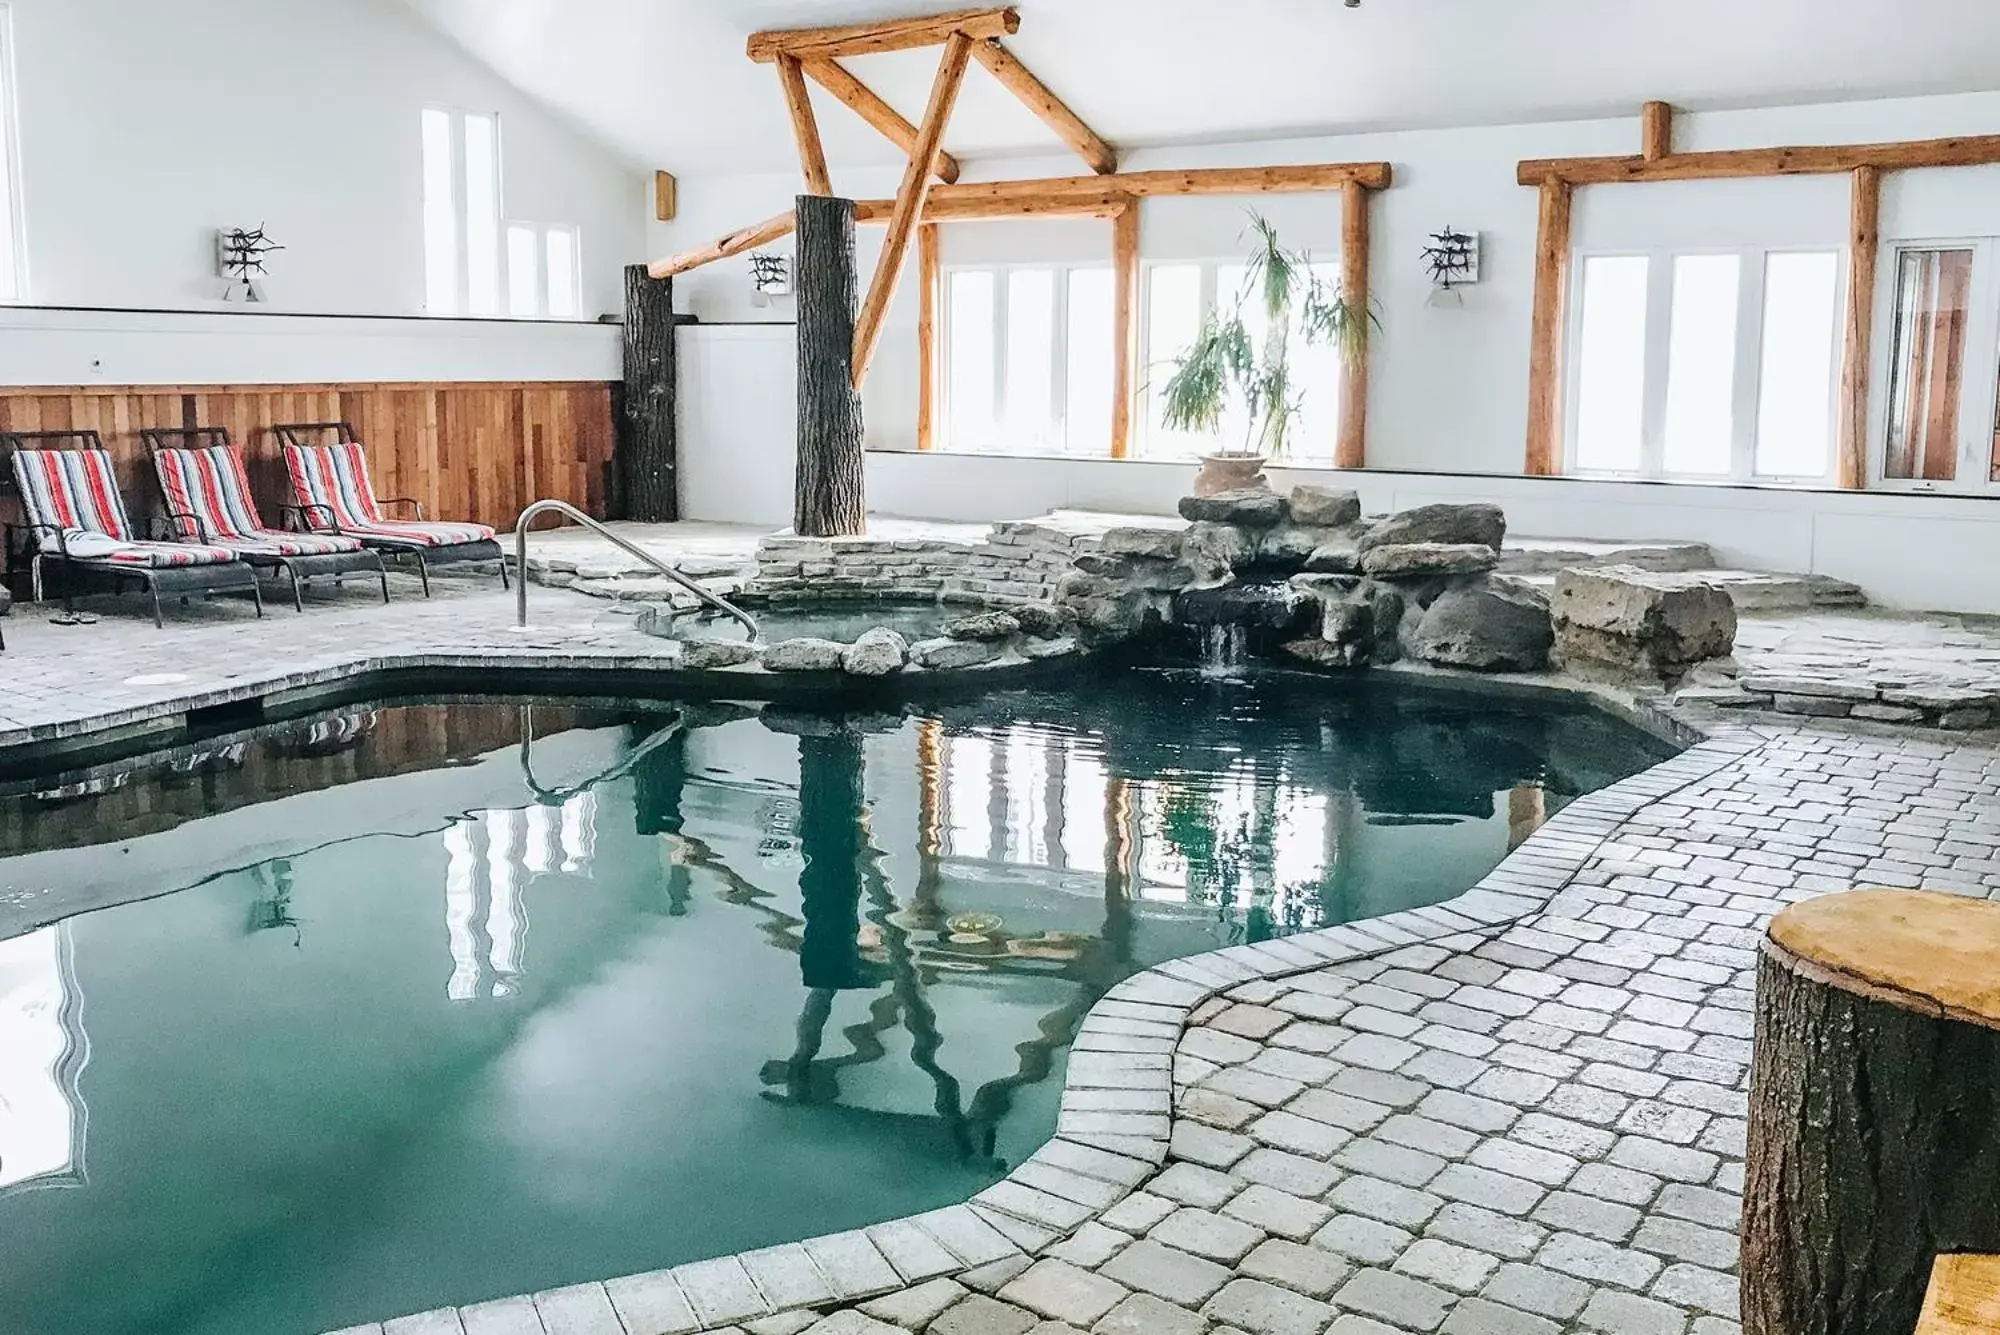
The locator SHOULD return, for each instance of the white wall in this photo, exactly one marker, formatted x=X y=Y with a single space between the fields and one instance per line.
x=1448 y=388
x=146 y=126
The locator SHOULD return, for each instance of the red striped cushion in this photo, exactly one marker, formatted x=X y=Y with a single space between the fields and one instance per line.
x=97 y=547
x=209 y=484
x=422 y=534
x=270 y=542
x=74 y=490
x=335 y=477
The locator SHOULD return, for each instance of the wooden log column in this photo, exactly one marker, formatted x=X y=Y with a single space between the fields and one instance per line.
x=647 y=451
x=1351 y=450
x=831 y=498
x=1857 y=341
x=1874 y=1110
x=1544 y=448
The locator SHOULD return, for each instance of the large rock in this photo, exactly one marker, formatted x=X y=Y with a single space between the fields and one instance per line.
x=1138 y=572
x=1322 y=507
x=1642 y=621
x=877 y=653
x=1490 y=626
x=1479 y=525
x=1286 y=548
x=1041 y=620
x=1159 y=544
x=1251 y=507
x=805 y=654
x=701 y=655
x=943 y=655
x=1336 y=554
x=989 y=626
x=1406 y=560
x=1213 y=551
x=1387 y=606
x=1268 y=607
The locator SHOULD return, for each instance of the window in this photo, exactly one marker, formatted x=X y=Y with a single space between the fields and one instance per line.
x=474 y=262
x=1927 y=364
x=1176 y=296
x=13 y=254
x=1028 y=360
x=1709 y=365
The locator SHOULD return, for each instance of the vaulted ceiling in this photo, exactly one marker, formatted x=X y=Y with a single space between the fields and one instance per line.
x=666 y=84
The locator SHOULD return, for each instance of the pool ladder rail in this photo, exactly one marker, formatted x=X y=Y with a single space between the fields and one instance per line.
x=714 y=600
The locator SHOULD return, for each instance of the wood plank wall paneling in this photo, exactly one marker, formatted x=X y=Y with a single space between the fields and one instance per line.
x=467 y=450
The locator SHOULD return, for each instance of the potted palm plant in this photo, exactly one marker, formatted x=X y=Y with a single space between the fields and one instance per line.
x=1226 y=361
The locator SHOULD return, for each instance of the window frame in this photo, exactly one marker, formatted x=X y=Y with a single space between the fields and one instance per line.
x=542 y=289
x=1979 y=402
x=461 y=216
x=1059 y=423
x=1747 y=383
x=13 y=212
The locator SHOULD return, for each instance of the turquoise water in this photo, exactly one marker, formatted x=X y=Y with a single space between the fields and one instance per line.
x=403 y=1013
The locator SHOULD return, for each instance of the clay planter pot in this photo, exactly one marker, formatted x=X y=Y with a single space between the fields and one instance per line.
x=1229 y=472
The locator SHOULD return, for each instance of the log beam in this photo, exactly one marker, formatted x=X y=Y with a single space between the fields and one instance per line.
x=1656 y=131
x=1124 y=326
x=859 y=98
x=1544 y=452
x=1965 y=151
x=929 y=280
x=805 y=129
x=910 y=198
x=1351 y=450
x=1874 y=1136
x=862 y=39
x=1019 y=80
x=1964 y=1297
x=1857 y=347
x=1092 y=196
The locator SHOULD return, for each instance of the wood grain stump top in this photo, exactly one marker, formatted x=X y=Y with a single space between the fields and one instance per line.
x=1933 y=953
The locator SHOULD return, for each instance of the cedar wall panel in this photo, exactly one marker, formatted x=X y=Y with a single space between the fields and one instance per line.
x=467 y=450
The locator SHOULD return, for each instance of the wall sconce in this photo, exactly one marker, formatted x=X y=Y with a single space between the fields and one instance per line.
x=770 y=277
x=239 y=258
x=1453 y=260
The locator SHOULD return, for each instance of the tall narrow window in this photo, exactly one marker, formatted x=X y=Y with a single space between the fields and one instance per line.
x=1087 y=358
x=482 y=215
x=441 y=281
x=13 y=260
x=1611 y=364
x=1795 y=383
x=1031 y=360
x=1927 y=363
x=972 y=359
x=1701 y=365
x=564 y=278
x=1173 y=318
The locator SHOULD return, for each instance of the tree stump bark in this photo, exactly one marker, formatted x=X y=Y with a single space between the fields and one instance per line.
x=1874 y=1109
x=831 y=496
x=648 y=443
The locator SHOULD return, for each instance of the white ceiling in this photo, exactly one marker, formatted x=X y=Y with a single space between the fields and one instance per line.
x=665 y=83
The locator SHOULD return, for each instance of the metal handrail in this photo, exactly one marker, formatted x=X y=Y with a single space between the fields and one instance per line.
x=557 y=796
x=719 y=603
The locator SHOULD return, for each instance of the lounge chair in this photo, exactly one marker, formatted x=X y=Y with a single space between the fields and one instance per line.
x=208 y=501
x=75 y=518
x=336 y=496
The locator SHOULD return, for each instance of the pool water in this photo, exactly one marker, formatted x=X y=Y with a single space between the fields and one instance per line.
x=430 y=1003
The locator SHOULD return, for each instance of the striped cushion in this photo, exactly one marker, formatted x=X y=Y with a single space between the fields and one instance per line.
x=210 y=484
x=335 y=477
x=96 y=547
x=73 y=490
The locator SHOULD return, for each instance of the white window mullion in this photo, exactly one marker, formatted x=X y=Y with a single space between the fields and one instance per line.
x=1749 y=366
x=1659 y=341
x=461 y=214
x=1059 y=364
x=1000 y=414
x=1977 y=405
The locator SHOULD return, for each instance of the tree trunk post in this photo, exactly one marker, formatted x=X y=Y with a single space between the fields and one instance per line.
x=1874 y=1109
x=648 y=444
x=831 y=498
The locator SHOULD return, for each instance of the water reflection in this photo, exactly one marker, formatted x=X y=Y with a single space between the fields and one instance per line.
x=43 y=1050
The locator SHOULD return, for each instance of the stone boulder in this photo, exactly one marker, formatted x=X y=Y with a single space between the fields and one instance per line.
x=1104 y=611
x=703 y=655
x=1489 y=626
x=805 y=654
x=1477 y=525
x=1043 y=621
x=1336 y=554
x=1157 y=544
x=877 y=653
x=1214 y=551
x=943 y=655
x=1322 y=507
x=1405 y=560
x=995 y=627
x=1286 y=548
x=1251 y=507
x=1633 y=620
x=1278 y=608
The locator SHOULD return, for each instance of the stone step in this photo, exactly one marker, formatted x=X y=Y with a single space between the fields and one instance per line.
x=1545 y=556
x=1759 y=592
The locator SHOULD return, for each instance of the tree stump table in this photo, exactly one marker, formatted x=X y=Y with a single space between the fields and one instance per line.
x=1874 y=1109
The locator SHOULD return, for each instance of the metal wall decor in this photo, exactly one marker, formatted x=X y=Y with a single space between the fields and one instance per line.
x=239 y=258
